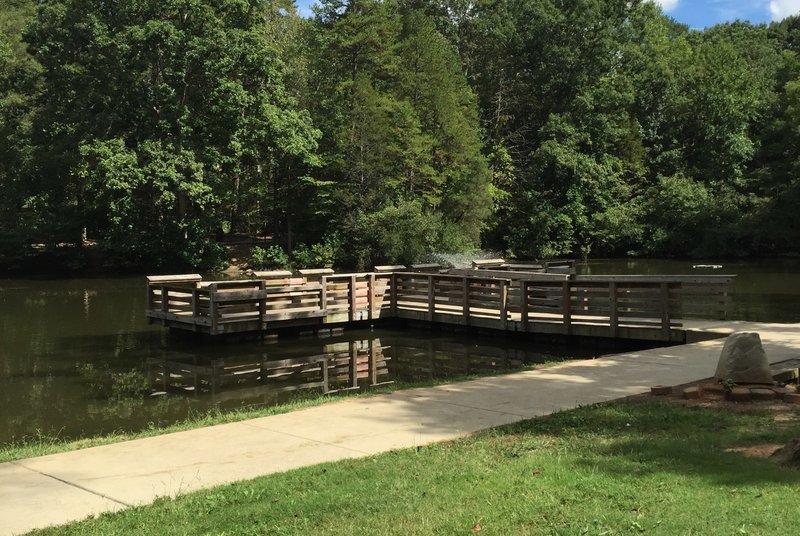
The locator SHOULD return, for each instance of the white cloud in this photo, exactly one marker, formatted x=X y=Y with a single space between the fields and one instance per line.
x=781 y=9
x=668 y=5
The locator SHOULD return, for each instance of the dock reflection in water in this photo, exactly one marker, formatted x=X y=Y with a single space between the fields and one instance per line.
x=75 y=357
x=341 y=366
x=353 y=361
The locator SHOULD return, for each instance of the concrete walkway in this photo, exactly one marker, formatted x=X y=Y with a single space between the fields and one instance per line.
x=56 y=489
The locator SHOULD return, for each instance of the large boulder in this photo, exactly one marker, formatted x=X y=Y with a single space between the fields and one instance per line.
x=743 y=360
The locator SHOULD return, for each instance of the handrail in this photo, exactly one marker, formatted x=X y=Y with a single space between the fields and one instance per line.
x=524 y=302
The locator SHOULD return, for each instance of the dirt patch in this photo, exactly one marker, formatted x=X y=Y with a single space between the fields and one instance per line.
x=764 y=450
x=713 y=397
x=781 y=411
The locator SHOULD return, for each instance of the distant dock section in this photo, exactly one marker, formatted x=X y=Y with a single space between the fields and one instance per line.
x=493 y=295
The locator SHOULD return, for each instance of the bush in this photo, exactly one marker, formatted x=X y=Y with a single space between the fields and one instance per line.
x=403 y=234
x=272 y=258
x=320 y=255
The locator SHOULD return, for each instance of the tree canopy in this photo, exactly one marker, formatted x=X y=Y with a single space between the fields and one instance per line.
x=383 y=130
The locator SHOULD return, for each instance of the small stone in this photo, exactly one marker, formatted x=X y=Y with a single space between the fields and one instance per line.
x=786 y=376
x=692 y=393
x=792 y=398
x=780 y=391
x=660 y=390
x=762 y=394
x=738 y=394
x=715 y=388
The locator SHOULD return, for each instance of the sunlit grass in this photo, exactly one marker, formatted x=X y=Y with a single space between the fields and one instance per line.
x=621 y=468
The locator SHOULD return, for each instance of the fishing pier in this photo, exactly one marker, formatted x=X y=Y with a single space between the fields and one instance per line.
x=491 y=295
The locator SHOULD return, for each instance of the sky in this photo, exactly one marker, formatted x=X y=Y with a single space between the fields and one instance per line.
x=700 y=13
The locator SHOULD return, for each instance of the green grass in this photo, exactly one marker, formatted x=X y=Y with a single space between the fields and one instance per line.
x=43 y=445
x=621 y=468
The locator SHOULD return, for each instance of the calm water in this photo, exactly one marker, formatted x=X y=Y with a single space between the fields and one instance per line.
x=764 y=290
x=51 y=330
x=70 y=350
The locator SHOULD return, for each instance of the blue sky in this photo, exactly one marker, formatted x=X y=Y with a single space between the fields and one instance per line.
x=700 y=13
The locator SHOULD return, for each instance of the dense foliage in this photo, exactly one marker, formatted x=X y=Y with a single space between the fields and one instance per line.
x=145 y=132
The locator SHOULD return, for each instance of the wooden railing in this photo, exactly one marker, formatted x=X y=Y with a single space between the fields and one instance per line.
x=616 y=302
x=608 y=306
x=361 y=296
x=438 y=296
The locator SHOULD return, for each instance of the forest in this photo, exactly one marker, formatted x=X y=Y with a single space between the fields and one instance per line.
x=144 y=134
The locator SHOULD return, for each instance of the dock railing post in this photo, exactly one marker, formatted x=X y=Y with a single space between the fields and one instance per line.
x=566 y=307
x=665 y=321
x=371 y=296
x=393 y=295
x=212 y=307
x=195 y=302
x=504 y=303
x=431 y=299
x=523 y=287
x=262 y=302
x=164 y=299
x=613 y=318
x=465 y=292
x=323 y=295
x=352 y=298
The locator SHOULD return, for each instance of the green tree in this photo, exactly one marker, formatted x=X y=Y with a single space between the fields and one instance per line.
x=402 y=130
x=169 y=109
x=20 y=76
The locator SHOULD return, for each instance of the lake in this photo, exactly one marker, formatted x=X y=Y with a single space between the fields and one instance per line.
x=765 y=290
x=77 y=357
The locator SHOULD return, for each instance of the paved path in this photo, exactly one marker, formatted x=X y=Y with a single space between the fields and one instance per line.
x=55 y=489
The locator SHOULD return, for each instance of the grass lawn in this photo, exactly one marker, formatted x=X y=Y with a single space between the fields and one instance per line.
x=621 y=468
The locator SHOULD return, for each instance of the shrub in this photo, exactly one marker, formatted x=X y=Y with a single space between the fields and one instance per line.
x=403 y=234
x=271 y=258
x=320 y=255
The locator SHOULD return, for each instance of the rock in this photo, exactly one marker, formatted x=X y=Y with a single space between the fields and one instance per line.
x=792 y=398
x=660 y=390
x=738 y=394
x=762 y=394
x=789 y=454
x=715 y=388
x=692 y=393
x=780 y=391
x=786 y=376
x=743 y=360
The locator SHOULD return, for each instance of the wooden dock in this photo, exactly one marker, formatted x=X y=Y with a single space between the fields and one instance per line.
x=626 y=307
